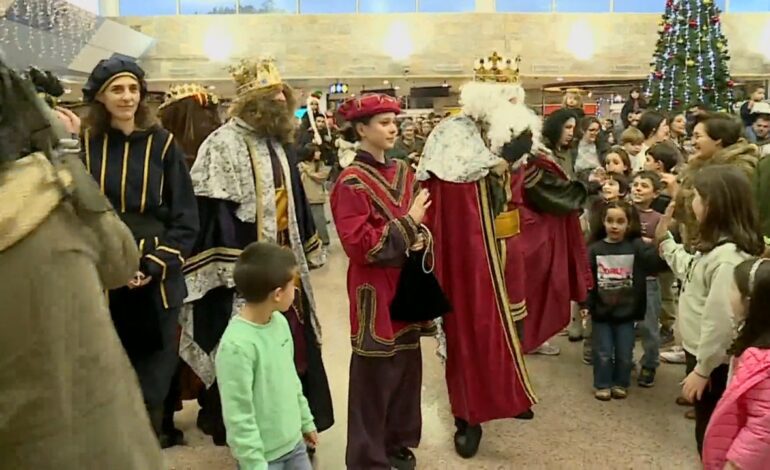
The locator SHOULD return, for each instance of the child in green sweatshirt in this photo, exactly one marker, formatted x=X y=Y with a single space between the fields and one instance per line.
x=267 y=417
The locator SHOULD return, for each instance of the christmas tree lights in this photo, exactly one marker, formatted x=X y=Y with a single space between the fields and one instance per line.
x=691 y=60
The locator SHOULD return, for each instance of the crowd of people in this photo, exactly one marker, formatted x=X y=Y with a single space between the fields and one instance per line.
x=493 y=230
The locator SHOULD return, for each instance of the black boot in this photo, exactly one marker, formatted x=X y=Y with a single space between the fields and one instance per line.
x=527 y=415
x=156 y=419
x=174 y=436
x=467 y=438
x=404 y=459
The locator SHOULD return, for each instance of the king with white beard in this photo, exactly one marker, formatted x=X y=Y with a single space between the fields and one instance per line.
x=500 y=207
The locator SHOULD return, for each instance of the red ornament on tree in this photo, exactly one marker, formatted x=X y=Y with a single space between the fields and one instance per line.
x=693 y=24
x=669 y=3
x=730 y=84
x=715 y=19
x=658 y=74
x=677 y=102
x=667 y=27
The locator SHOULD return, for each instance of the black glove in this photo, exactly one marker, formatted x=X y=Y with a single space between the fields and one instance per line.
x=517 y=148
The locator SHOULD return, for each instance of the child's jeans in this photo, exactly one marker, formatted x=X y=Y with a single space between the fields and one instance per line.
x=650 y=327
x=613 y=351
x=297 y=459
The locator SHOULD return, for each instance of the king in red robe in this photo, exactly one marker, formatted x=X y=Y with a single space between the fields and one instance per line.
x=479 y=259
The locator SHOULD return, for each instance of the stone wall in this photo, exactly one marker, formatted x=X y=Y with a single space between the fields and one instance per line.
x=428 y=45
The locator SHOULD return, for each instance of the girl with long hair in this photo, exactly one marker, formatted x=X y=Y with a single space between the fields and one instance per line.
x=728 y=234
x=738 y=436
x=621 y=262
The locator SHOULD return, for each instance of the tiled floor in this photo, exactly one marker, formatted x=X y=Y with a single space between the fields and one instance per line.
x=571 y=429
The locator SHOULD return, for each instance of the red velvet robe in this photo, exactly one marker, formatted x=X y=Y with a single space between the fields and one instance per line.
x=557 y=268
x=370 y=202
x=485 y=371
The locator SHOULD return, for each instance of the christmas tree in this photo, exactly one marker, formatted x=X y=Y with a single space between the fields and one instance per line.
x=691 y=60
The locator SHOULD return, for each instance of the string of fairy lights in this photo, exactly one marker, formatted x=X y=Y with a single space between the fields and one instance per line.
x=51 y=29
x=691 y=59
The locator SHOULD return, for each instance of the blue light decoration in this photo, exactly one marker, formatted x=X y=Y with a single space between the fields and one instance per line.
x=691 y=60
x=338 y=88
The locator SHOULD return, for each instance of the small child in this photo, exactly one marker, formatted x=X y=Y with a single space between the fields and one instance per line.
x=620 y=261
x=646 y=188
x=267 y=417
x=617 y=161
x=728 y=234
x=615 y=187
x=738 y=436
x=632 y=141
x=663 y=158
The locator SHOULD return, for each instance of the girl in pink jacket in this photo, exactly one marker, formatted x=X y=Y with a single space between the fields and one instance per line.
x=738 y=435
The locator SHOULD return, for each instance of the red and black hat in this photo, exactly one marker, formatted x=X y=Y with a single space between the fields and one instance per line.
x=368 y=105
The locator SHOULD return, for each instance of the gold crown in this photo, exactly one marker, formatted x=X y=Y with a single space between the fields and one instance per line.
x=250 y=75
x=179 y=92
x=496 y=68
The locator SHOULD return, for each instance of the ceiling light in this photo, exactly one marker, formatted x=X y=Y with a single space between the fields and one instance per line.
x=386 y=82
x=445 y=84
x=559 y=79
x=212 y=87
x=396 y=87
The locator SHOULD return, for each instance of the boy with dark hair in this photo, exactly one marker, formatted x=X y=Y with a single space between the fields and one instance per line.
x=267 y=417
x=646 y=188
x=662 y=158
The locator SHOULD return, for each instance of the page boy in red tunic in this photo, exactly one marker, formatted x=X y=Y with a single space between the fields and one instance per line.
x=378 y=220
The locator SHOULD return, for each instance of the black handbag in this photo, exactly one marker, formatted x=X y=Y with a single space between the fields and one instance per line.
x=419 y=297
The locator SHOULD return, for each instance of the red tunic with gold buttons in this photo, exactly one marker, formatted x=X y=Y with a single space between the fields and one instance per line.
x=370 y=202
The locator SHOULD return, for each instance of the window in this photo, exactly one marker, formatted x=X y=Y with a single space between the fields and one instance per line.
x=327 y=6
x=145 y=8
x=447 y=6
x=639 y=6
x=583 y=6
x=387 y=6
x=740 y=6
x=207 y=7
x=268 y=6
x=524 y=6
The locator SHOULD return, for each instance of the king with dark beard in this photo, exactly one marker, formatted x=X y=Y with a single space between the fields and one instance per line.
x=248 y=189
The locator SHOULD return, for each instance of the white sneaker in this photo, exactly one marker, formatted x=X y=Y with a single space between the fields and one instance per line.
x=674 y=356
x=547 y=349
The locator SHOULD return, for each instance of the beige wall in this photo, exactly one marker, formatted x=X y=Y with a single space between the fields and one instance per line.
x=431 y=45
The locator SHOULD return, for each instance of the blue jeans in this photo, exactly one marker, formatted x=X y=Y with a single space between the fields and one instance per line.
x=297 y=459
x=613 y=352
x=650 y=327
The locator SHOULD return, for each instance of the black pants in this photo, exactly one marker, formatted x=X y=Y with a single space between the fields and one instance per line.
x=156 y=370
x=383 y=408
x=704 y=407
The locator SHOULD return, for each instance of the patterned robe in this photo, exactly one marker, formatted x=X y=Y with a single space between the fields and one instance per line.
x=248 y=190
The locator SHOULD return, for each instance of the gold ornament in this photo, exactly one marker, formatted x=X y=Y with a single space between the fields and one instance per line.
x=179 y=92
x=250 y=75
x=708 y=2
x=690 y=63
x=496 y=69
